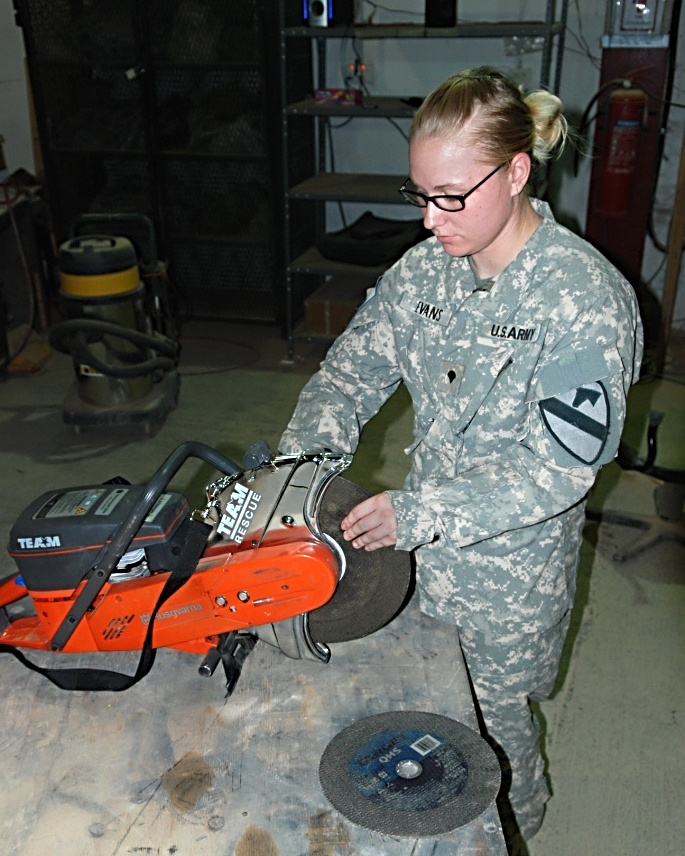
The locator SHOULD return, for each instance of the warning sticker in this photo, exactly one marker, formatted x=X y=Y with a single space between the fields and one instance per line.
x=73 y=503
x=109 y=503
x=157 y=507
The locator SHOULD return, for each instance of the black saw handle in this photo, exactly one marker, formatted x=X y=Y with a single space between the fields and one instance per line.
x=109 y=556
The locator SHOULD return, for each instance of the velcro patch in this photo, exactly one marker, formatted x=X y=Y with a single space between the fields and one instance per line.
x=512 y=332
x=436 y=313
x=578 y=420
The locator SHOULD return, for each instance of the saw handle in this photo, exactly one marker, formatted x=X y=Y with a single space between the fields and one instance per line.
x=111 y=553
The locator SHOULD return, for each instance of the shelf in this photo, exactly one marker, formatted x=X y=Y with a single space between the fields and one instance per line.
x=199 y=154
x=350 y=187
x=312 y=262
x=371 y=108
x=478 y=30
x=335 y=187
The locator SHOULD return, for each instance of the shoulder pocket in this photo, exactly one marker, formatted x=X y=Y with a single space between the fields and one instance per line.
x=572 y=367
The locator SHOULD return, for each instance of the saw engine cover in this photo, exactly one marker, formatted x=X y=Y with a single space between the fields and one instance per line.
x=57 y=538
x=271 y=564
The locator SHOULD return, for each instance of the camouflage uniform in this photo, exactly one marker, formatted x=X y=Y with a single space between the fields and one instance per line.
x=494 y=502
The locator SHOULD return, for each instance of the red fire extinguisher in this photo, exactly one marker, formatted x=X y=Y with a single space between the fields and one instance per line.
x=627 y=113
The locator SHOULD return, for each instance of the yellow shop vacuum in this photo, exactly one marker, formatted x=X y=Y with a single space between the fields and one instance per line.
x=119 y=330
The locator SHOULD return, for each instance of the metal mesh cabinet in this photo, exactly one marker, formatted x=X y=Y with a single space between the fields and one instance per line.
x=169 y=108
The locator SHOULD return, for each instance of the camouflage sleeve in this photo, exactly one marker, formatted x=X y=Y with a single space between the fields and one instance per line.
x=359 y=374
x=532 y=480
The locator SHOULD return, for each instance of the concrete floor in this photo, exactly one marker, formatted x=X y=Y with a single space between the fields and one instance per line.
x=615 y=726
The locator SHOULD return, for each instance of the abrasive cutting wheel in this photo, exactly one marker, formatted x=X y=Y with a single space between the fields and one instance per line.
x=376 y=583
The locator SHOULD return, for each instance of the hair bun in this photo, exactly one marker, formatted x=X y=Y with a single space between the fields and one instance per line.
x=551 y=127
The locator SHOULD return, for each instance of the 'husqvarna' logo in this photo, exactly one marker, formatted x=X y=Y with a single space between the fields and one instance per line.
x=238 y=514
x=172 y=613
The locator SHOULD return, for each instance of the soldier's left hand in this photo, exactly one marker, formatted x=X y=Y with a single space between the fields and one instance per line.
x=372 y=523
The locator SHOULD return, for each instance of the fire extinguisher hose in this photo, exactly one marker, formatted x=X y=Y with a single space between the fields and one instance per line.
x=616 y=83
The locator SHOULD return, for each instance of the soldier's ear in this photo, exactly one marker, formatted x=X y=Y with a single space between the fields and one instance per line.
x=519 y=172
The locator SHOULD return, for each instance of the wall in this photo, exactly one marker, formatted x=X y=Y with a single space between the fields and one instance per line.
x=413 y=67
x=14 y=110
x=654 y=264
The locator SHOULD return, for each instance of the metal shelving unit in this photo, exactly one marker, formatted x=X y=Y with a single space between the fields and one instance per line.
x=166 y=108
x=306 y=192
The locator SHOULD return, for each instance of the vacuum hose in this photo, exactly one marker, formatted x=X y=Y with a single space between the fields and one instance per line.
x=74 y=337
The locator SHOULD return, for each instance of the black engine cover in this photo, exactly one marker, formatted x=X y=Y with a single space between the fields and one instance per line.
x=56 y=539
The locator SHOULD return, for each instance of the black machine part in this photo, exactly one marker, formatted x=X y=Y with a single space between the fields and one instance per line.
x=77 y=335
x=109 y=556
x=160 y=303
x=58 y=537
x=138 y=228
x=96 y=254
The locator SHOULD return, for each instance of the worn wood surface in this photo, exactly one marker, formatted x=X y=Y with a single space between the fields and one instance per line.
x=172 y=767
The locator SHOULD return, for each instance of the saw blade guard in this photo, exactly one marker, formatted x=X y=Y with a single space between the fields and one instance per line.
x=277 y=501
x=306 y=496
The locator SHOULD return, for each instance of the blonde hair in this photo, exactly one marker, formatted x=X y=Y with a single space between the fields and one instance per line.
x=505 y=121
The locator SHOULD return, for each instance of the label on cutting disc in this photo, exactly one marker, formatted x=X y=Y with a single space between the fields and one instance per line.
x=408 y=770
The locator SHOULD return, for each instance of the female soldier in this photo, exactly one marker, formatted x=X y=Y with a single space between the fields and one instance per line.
x=518 y=343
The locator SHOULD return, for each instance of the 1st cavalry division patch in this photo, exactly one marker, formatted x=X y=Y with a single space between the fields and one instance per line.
x=579 y=420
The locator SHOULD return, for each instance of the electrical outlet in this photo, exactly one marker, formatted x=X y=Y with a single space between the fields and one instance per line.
x=635 y=16
x=360 y=71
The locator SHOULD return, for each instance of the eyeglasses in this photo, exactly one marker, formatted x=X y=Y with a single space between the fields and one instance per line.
x=445 y=203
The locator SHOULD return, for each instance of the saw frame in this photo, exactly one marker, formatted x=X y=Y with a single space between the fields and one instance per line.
x=118 y=567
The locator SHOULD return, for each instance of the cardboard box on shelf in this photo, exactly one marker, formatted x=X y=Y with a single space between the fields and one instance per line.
x=328 y=310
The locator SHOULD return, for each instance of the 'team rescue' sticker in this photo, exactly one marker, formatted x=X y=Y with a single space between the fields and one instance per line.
x=238 y=514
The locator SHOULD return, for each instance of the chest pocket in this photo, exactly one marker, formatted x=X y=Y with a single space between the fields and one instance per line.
x=484 y=366
x=439 y=441
x=493 y=351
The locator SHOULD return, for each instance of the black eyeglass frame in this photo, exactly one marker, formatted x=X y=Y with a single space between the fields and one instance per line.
x=414 y=197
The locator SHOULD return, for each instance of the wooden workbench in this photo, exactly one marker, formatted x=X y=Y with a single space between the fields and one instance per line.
x=172 y=767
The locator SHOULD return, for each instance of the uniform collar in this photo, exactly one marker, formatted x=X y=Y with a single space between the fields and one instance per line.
x=512 y=283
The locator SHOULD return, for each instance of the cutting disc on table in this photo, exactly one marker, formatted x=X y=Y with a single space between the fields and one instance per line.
x=409 y=773
x=375 y=584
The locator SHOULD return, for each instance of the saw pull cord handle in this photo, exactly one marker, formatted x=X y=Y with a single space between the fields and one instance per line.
x=111 y=553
